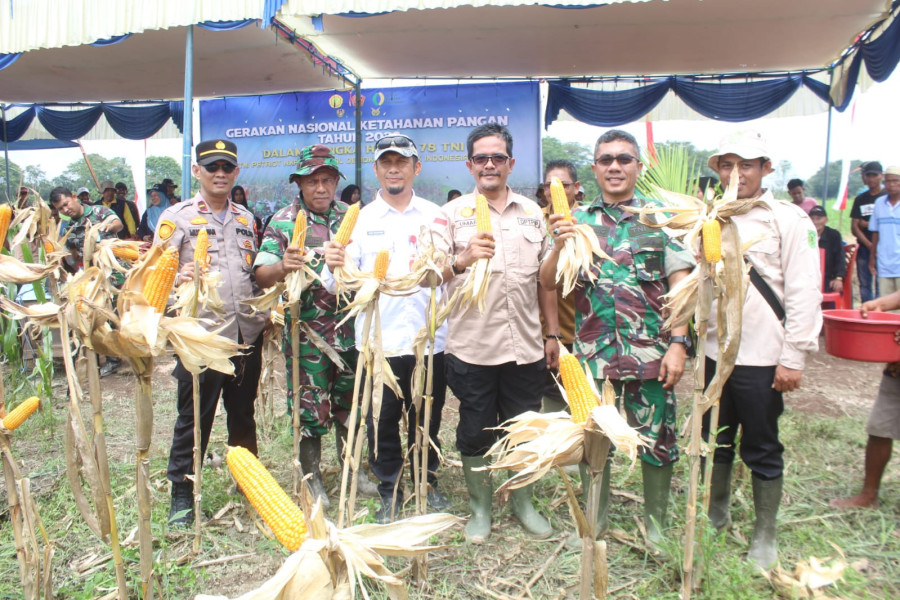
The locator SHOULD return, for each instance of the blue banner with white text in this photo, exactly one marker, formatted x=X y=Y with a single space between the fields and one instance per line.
x=271 y=130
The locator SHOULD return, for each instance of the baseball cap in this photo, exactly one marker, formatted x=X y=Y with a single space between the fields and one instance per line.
x=165 y=183
x=873 y=166
x=209 y=151
x=746 y=144
x=82 y=190
x=106 y=185
x=817 y=211
x=398 y=143
x=313 y=158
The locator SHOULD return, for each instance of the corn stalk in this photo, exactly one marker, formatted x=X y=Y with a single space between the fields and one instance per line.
x=296 y=472
x=195 y=390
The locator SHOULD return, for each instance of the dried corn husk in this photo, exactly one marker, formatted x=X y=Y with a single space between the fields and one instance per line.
x=103 y=255
x=12 y=270
x=577 y=256
x=268 y=300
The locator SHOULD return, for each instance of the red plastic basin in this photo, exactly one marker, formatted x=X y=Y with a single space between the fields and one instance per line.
x=848 y=335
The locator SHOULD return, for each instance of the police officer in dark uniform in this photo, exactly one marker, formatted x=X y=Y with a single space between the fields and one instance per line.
x=232 y=250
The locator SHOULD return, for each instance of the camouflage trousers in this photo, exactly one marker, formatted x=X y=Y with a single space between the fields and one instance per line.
x=326 y=392
x=651 y=410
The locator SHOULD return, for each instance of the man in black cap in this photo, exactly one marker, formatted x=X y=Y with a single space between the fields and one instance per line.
x=127 y=211
x=232 y=249
x=830 y=241
x=169 y=185
x=863 y=205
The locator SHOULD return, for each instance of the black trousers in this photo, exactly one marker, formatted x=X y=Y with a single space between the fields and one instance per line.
x=387 y=465
x=238 y=393
x=490 y=395
x=749 y=400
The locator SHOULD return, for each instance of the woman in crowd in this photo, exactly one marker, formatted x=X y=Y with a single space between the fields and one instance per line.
x=239 y=196
x=157 y=202
x=350 y=195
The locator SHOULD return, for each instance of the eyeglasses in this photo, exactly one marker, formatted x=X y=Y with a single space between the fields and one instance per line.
x=226 y=167
x=314 y=183
x=482 y=159
x=395 y=141
x=623 y=159
x=567 y=185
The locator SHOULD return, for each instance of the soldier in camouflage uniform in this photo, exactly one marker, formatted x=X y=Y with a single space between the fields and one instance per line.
x=326 y=392
x=80 y=218
x=618 y=317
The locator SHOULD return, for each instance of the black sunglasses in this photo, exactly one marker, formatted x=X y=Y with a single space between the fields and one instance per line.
x=227 y=167
x=623 y=159
x=482 y=159
x=395 y=141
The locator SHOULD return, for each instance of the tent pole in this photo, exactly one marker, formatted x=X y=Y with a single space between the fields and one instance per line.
x=828 y=144
x=188 y=126
x=357 y=90
x=6 y=156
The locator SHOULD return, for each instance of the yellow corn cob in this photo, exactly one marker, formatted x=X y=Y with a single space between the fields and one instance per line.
x=482 y=214
x=299 y=238
x=19 y=414
x=560 y=201
x=126 y=253
x=712 y=241
x=382 y=260
x=578 y=391
x=201 y=250
x=48 y=246
x=347 y=225
x=268 y=498
x=5 y=218
x=159 y=283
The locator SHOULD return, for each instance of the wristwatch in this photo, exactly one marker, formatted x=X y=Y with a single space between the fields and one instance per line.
x=453 y=265
x=682 y=339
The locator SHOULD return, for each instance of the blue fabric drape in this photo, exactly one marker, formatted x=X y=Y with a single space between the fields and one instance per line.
x=270 y=9
x=17 y=126
x=68 y=124
x=610 y=109
x=113 y=40
x=176 y=109
x=8 y=59
x=136 y=122
x=882 y=54
x=735 y=101
x=225 y=25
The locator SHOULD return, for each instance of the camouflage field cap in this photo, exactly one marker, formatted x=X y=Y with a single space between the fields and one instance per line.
x=313 y=158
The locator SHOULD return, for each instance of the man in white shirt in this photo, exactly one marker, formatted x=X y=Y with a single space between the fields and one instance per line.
x=395 y=220
x=782 y=319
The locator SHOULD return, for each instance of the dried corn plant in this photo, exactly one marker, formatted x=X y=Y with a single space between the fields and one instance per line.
x=34 y=549
x=327 y=562
x=577 y=254
x=720 y=277
x=269 y=389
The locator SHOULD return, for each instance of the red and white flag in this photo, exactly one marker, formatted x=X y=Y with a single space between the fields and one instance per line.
x=840 y=202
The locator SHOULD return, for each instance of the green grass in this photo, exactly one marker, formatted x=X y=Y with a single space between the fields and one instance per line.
x=823 y=456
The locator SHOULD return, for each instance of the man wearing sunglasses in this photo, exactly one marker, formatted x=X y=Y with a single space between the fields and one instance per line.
x=232 y=248
x=618 y=318
x=395 y=220
x=782 y=319
x=495 y=360
x=325 y=388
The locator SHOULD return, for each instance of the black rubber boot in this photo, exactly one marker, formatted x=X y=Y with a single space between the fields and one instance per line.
x=720 y=496
x=766 y=499
x=310 y=455
x=181 y=509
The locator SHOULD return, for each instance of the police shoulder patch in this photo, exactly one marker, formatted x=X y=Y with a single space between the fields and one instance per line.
x=242 y=220
x=466 y=211
x=199 y=221
x=165 y=229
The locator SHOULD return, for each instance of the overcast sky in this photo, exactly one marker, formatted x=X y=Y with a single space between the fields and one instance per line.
x=874 y=135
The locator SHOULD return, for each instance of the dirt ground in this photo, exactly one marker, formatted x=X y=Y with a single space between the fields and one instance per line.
x=831 y=387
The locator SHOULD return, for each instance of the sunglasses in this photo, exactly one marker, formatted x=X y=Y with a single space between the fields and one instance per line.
x=482 y=159
x=227 y=167
x=393 y=141
x=623 y=159
x=566 y=185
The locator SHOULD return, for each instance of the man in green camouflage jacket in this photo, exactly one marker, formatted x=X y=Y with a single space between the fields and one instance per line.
x=618 y=317
x=326 y=391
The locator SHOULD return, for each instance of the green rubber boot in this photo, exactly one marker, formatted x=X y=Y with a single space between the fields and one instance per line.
x=533 y=521
x=720 y=496
x=657 y=481
x=478 y=483
x=766 y=499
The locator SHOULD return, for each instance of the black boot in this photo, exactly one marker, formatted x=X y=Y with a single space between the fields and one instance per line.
x=310 y=455
x=181 y=510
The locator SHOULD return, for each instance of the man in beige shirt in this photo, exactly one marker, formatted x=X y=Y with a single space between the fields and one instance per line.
x=495 y=360
x=776 y=335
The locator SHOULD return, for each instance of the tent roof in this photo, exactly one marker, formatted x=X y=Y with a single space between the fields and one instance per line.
x=525 y=39
x=150 y=65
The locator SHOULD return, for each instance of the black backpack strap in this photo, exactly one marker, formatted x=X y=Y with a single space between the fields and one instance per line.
x=766 y=292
